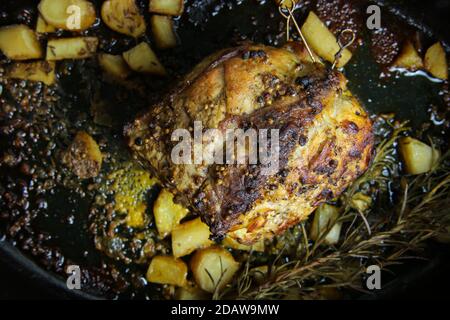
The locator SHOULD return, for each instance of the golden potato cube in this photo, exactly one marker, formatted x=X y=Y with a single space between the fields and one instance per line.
x=72 y=15
x=141 y=58
x=71 y=48
x=436 y=61
x=163 y=32
x=43 y=27
x=322 y=41
x=233 y=244
x=167 y=270
x=418 y=157
x=123 y=16
x=167 y=7
x=361 y=202
x=114 y=65
x=168 y=214
x=190 y=292
x=190 y=236
x=213 y=268
x=324 y=216
x=409 y=58
x=18 y=42
x=42 y=71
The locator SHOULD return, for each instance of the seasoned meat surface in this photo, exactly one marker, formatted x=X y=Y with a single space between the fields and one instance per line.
x=325 y=139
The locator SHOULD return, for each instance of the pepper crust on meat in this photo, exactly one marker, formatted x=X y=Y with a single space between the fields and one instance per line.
x=325 y=139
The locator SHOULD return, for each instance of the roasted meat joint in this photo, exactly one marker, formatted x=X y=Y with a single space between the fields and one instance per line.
x=223 y=149
x=325 y=139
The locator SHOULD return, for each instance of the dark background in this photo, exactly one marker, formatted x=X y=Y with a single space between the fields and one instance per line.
x=426 y=280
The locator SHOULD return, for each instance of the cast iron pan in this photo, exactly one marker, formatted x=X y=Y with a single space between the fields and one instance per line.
x=430 y=17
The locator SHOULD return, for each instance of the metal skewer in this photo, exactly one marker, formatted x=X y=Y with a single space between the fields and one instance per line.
x=289 y=6
x=343 y=46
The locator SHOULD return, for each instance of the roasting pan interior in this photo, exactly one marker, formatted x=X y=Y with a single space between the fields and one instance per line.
x=208 y=26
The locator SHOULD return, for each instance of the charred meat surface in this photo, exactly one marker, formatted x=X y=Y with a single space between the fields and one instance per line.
x=325 y=139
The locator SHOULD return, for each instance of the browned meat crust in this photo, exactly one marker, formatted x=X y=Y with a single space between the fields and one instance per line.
x=325 y=138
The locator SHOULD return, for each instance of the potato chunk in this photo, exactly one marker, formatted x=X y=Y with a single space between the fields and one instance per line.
x=436 y=61
x=417 y=156
x=190 y=292
x=73 y=15
x=322 y=40
x=71 y=48
x=409 y=58
x=167 y=270
x=123 y=16
x=141 y=58
x=162 y=28
x=83 y=157
x=190 y=236
x=213 y=268
x=42 y=71
x=114 y=65
x=167 y=7
x=167 y=213
x=18 y=42
x=233 y=244
x=324 y=216
x=43 y=27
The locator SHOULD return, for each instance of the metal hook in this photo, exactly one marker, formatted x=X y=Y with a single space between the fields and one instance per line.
x=289 y=6
x=343 y=46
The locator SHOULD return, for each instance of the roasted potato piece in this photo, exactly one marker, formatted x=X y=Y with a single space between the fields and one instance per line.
x=361 y=202
x=73 y=15
x=167 y=7
x=259 y=273
x=233 y=244
x=167 y=270
x=324 y=216
x=114 y=65
x=436 y=61
x=162 y=28
x=71 y=48
x=167 y=213
x=123 y=16
x=322 y=40
x=43 y=27
x=141 y=58
x=409 y=58
x=190 y=236
x=418 y=157
x=213 y=268
x=83 y=157
x=42 y=71
x=190 y=292
x=18 y=42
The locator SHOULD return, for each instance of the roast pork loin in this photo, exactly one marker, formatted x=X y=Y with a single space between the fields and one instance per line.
x=325 y=139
